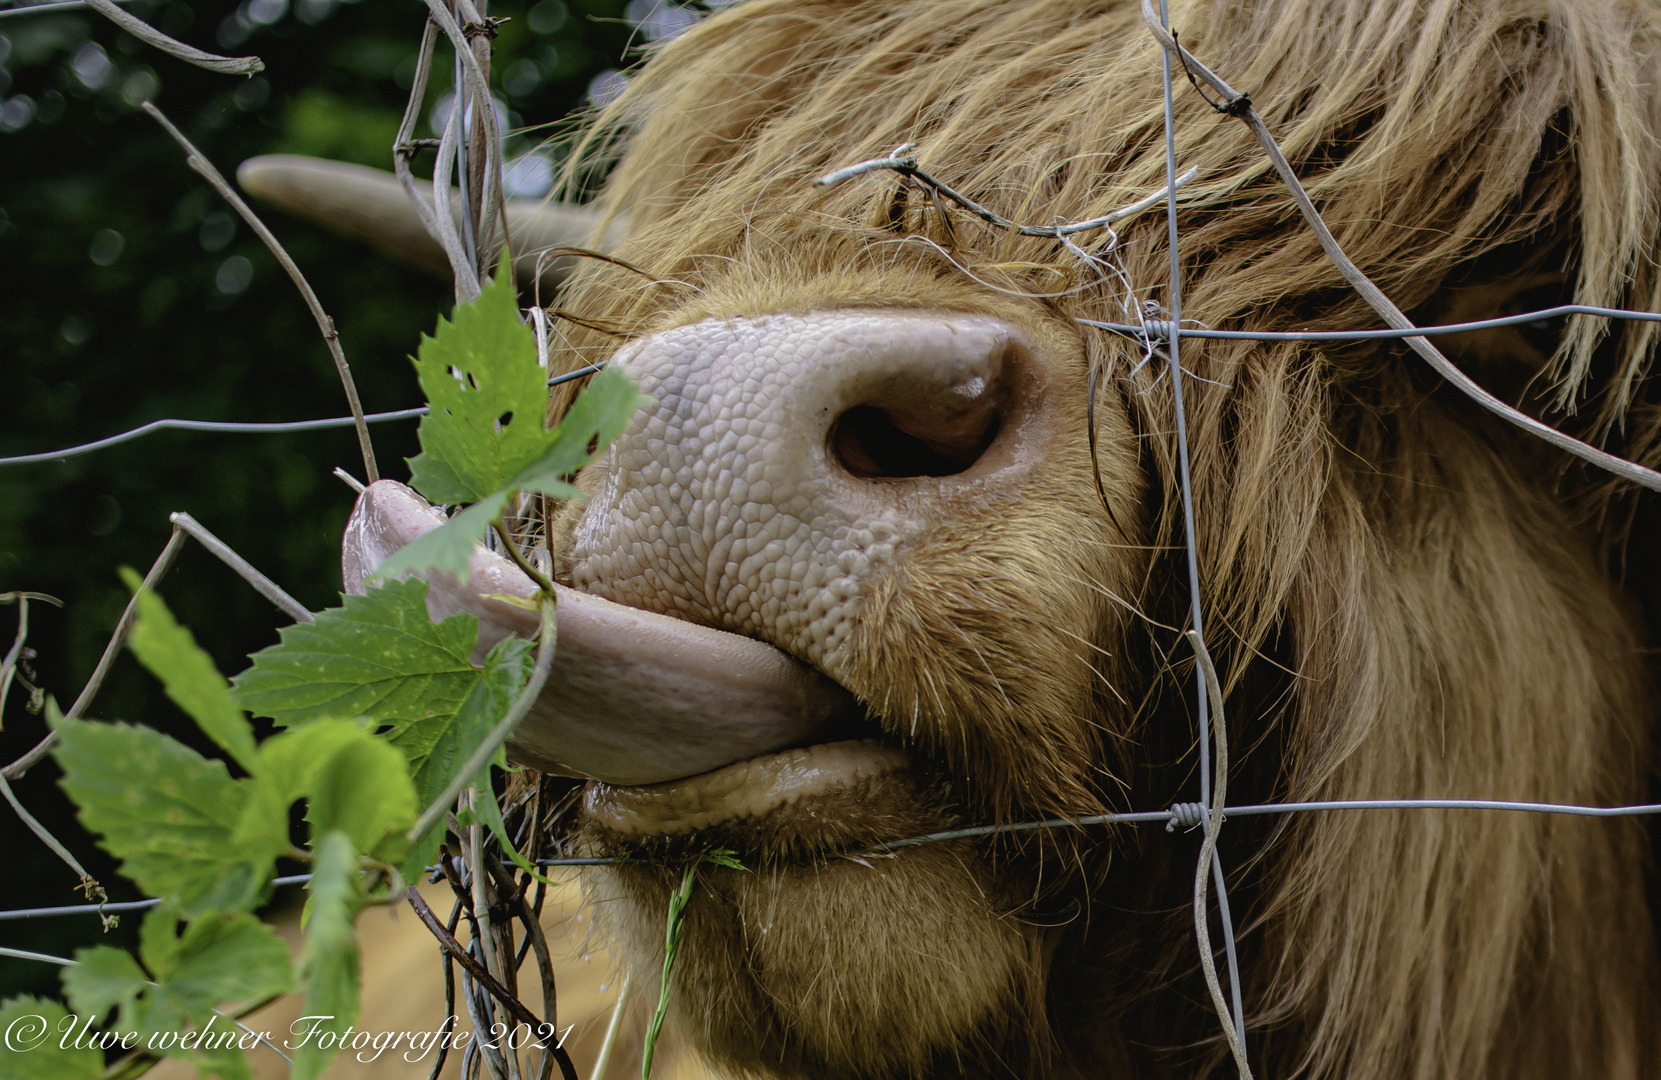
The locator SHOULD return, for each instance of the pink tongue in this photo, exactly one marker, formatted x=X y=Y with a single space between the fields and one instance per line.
x=634 y=697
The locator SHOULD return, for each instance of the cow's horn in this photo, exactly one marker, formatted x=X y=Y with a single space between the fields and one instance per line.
x=367 y=204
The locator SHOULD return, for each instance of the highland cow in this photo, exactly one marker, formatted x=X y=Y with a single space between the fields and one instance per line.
x=874 y=456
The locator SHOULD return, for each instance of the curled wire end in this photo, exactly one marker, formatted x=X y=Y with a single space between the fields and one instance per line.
x=1187 y=815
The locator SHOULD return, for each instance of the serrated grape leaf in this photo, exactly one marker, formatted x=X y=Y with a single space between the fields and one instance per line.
x=363 y=790
x=506 y=667
x=598 y=416
x=219 y=958
x=379 y=656
x=103 y=981
x=187 y=673
x=158 y=939
x=447 y=548
x=329 y=959
x=486 y=396
x=169 y=814
x=33 y=1030
x=283 y=772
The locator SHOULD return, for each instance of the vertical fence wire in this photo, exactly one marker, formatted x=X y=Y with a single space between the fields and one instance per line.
x=1196 y=614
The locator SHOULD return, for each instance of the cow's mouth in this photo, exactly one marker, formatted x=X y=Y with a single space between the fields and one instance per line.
x=804 y=801
x=685 y=729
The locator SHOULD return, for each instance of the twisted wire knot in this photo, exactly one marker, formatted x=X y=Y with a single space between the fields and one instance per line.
x=1189 y=815
x=1158 y=329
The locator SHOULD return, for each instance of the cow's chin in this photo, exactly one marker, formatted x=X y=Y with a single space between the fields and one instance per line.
x=818 y=959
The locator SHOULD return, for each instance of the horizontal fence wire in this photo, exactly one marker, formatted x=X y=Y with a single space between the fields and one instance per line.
x=1151 y=330
x=1180 y=816
x=1160 y=329
x=276 y=428
x=115 y=908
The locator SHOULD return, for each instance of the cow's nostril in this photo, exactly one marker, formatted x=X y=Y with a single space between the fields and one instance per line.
x=890 y=441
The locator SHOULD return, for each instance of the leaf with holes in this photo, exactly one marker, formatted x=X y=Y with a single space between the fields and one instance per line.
x=597 y=417
x=487 y=397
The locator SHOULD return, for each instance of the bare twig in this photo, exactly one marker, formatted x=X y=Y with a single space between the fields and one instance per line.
x=45 y=836
x=456 y=248
x=404 y=149
x=14 y=10
x=123 y=627
x=489 y=944
x=225 y=65
x=545 y=974
x=349 y=480
x=471 y=965
x=1238 y=104
x=262 y=584
x=471 y=97
x=204 y=167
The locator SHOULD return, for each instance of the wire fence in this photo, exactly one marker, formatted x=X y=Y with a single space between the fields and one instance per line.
x=1210 y=811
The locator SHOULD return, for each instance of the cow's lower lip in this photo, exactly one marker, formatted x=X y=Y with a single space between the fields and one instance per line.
x=850 y=782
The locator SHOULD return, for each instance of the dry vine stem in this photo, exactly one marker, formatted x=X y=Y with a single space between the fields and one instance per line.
x=14 y=655
x=204 y=167
x=1238 y=104
x=1208 y=852
x=225 y=65
x=264 y=585
x=123 y=627
x=183 y=525
x=471 y=125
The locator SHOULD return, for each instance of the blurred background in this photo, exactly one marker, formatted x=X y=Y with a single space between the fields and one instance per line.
x=129 y=293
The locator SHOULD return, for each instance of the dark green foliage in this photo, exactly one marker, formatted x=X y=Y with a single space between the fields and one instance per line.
x=100 y=333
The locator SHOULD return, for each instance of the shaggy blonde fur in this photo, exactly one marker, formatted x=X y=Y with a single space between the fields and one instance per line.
x=1409 y=600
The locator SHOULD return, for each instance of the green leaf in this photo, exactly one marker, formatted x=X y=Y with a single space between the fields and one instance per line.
x=724 y=857
x=219 y=958
x=329 y=959
x=506 y=668
x=104 y=980
x=486 y=395
x=34 y=1030
x=447 y=548
x=598 y=416
x=223 y=1062
x=364 y=791
x=379 y=656
x=187 y=673
x=158 y=940
x=169 y=814
x=283 y=772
